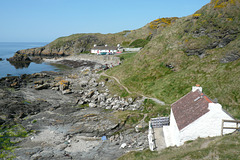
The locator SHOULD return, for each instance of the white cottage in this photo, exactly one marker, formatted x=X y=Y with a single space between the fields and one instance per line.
x=104 y=49
x=195 y=115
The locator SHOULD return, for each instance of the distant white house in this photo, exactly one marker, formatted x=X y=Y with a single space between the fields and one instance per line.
x=195 y=115
x=103 y=50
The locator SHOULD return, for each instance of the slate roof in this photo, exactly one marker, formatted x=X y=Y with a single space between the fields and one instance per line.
x=189 y=108
x=105 y=48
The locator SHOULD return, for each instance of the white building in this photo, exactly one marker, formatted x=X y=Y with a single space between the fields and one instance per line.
x=104 y=49
x=195 y=115
x=132 y=49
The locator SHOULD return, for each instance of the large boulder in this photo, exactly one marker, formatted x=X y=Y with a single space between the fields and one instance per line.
x=101 y=98
x=63 y=85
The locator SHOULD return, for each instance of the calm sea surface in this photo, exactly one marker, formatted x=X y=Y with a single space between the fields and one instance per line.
x=8 y=49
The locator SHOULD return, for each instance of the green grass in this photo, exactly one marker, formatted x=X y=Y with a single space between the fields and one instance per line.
x=150 y=108
x=223 y=148
x=115 y=88
x=85 y=52
x=83 y=106
x=89 y=39
x=155 y=80
x=139 y=43
x=61 y=41
x=126 y=55
x=26 y=102
x=125 y=43
x=132 y=118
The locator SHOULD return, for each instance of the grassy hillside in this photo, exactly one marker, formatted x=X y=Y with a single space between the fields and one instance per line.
x=125 y=38
x=224 y=148
x=87 y=40
x=203 y=48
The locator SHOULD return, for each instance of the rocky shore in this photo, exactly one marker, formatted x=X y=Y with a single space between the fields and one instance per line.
x=71 y=114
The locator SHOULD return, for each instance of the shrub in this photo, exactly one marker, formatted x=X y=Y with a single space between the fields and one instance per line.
x=165 y=22
x=139 y=43
x=125 y=43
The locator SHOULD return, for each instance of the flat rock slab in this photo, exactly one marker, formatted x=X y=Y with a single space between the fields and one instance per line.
x=82 y=144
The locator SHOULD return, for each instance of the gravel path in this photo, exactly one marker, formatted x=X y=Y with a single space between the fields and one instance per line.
x=104 y=74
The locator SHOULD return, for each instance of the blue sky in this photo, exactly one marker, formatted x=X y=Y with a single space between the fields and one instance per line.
x=46 y=20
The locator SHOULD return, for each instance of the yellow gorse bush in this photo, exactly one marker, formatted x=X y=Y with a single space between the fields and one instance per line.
x=163 y=21
x=197 y=15
x=219 y=4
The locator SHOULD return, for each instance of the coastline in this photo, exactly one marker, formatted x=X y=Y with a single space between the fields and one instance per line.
x=65 y=60
x=68 y=112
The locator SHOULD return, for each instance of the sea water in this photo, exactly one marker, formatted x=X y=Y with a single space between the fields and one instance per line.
x=8 y=49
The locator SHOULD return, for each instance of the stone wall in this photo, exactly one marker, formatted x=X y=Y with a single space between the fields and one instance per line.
x=151 y=137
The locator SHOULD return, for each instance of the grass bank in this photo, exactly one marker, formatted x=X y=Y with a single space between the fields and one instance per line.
x=148 y=71
x=226 y=147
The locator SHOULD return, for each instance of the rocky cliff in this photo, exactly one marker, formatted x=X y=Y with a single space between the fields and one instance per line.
x=65 y=46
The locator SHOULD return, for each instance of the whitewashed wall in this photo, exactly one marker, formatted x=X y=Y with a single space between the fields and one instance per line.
x=171 y=132
x=94 y=51
x=150 y=137
x=132 y=49
x=114 y=51
x=209 y=125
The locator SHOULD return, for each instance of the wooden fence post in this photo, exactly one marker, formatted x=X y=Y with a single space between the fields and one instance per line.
x=230 y=121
